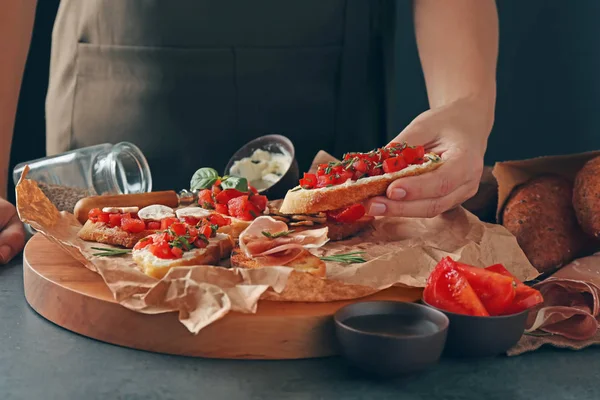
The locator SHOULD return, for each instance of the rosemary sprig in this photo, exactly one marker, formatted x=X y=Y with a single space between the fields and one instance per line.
x=110 y=252
x=276 y=235
x=346 y=258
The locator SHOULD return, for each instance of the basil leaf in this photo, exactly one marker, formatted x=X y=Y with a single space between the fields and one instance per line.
x=234 y=182
x=204 y=178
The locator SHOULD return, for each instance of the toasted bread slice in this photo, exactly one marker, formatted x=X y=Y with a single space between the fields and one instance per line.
x=340 y=231
x=310 y=201
x=102 y=233
x=306 y=262
x=219 y=247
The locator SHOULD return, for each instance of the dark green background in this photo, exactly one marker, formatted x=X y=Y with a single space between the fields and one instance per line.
x=548 y=80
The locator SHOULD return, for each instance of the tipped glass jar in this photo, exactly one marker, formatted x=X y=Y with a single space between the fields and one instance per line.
x=95 y=170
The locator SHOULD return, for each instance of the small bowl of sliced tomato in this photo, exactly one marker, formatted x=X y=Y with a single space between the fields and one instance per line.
x=487 y=307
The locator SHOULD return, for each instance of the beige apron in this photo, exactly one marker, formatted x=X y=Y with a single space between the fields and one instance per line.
x=191 y=81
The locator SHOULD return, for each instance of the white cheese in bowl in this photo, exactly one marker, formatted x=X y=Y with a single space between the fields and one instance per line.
x=263 y=168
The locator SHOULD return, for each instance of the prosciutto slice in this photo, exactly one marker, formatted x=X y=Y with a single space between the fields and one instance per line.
x=260 y=241
x=571 y=301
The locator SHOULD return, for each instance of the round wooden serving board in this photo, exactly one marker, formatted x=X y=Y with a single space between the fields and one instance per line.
x=65 y=292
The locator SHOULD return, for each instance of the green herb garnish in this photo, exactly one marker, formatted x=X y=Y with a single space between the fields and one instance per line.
x=298 y=188
x=346 y=258
x=205 y=178
x=110 y=252
x=276 y=235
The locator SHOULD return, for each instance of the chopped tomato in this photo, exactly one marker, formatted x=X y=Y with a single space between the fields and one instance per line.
x=360 y=166
x=252 y=189
x=449 y=290
x=413 y=154
x=495 y=291
x=205 y=230
x=205 y=199
x=218 y=220
x=96 y=215
x=167 y=222
x=153 y=225
x=132 y=225
x=222 y=208
x=394 y=164
x=226 y=195
x=178 y=228
x=142 y=243
x=321 y=169
x=242 y=208
x=104 y=218
x=199 y=243
x=336 y=178
x=191 y=220
x=349 y=214
x=114 y=220
x=525 y=297
x=309 y=181
x=177 y=252
x=375 y=171
x=259 y=201
x=216 y=189
x=161 y=250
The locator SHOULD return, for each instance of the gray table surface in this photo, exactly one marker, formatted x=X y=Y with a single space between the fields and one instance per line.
x=39 y=360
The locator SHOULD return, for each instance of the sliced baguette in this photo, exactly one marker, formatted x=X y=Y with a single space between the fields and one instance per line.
x=310 y=201
x=219 y=247
x=102 y=233
x=306 y=262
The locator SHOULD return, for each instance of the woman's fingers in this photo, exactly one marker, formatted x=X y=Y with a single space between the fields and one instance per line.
x=12 y=233
x=424 y=207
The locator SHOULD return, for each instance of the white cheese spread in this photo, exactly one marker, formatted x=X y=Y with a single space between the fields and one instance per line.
x=263 y=168
x=156 y=212
x=195 y=212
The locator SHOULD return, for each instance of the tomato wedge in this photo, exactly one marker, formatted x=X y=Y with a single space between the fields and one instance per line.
x=525 y=297
x=346 y=215
x=259 y=201
x=495 y=291
x=205 y=199
x=242 y=208
x=226 y=195
x=449 y=290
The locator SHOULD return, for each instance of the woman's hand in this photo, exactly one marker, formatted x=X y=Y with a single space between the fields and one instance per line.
x=12 y=233
x=458 y=132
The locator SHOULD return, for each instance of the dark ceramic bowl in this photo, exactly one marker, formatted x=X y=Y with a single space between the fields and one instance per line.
x=470 y=336
x=273 y=144
x=390 y=338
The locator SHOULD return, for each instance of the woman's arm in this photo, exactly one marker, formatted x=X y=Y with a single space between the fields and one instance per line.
x=458 y=47
x=16 y=25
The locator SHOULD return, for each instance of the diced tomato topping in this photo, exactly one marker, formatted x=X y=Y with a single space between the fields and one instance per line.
x=335 y=178
x=205 y=230
x=132 y=225
x=360 y=166
x=413 y=154
x=178 y=228
x=142 y=243
x=349 y=214
x=205 y=199
x=191 y=220
x=177 y=252
x=226 y=195
x=114 y=220
x=242 y=208
x=394 y=164
x=309 y=181
x=218 y=220
x=259 y=201
x=375 y=171
x=161 y=250
x=167 y=222
x=94 y=213
x=222 y=208
x=216 y=189
x=321 y=169
x=199 y=243
x=103 y=217
x=153 y=225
